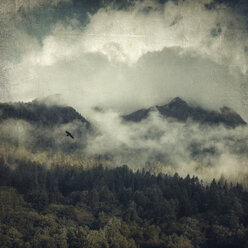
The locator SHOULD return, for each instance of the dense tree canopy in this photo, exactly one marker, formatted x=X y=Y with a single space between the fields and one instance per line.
x=69 y=206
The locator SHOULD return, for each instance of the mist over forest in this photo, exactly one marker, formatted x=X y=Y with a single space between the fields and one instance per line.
x=204 y=143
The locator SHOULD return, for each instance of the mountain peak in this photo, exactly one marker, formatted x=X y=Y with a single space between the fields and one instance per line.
x=176 y=108
x=179 y=110
x=177 y=101
x=40 y=113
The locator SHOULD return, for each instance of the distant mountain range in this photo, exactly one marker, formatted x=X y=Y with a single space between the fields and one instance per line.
x=179 y=110
x=50 y=121
x=40 y=113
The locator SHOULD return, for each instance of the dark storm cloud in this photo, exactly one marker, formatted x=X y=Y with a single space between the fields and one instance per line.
x=238 y=4
x=39 y=20
x=36 y=18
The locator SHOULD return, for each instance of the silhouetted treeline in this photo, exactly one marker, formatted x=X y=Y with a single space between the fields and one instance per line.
x=100 y=207
x=40 y=114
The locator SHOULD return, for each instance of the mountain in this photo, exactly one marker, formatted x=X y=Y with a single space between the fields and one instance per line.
x=179 y=110
x=48 y=123
x=39 y=113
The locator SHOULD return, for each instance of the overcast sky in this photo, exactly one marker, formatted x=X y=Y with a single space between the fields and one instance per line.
x=125 y=55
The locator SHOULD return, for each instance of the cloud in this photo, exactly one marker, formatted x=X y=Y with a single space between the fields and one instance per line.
x=137 y=57
x=169 y=147
x=149 y=26
x=155 y=144
x=90 y=79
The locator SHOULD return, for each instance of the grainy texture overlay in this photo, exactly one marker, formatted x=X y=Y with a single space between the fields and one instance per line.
x=123 y=123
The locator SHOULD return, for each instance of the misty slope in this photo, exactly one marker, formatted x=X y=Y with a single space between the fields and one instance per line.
x=41 y=114
x=36 y=130
x=40 y=125
x=179 y=110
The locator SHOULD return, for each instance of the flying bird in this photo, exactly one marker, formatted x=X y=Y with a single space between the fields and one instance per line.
x=69 y=134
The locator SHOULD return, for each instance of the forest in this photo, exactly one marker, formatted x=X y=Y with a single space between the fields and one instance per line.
x=71 y=206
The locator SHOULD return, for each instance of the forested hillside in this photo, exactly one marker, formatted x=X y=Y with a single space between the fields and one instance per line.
x=40 y=114
x=179 y=110
x=70 y=206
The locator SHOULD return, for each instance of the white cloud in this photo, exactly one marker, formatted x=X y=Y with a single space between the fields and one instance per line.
x=127 y=59
x=90 y=79
x=161 y=145
x=126 y=36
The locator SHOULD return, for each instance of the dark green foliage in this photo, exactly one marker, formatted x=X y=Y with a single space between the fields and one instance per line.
x=40 y=114
x=100 y=207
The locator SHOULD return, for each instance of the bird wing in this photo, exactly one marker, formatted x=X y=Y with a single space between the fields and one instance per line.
x=69 y=134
